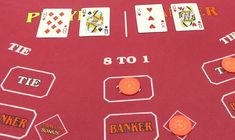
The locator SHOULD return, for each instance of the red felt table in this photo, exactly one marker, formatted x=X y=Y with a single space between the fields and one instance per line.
x=77 y=94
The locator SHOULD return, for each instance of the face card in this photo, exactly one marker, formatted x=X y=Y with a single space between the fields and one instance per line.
x=54 y=23
x=150 y=18
x=187 y=17
x=95 y=22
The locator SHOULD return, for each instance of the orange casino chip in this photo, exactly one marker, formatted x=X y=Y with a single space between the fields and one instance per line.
x=129 y=86
x=228 y=64
x=180 y=125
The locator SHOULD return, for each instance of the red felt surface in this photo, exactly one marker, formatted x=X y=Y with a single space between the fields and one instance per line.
x=77 y=94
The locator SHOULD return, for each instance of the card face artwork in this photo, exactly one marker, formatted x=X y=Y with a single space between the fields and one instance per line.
x=95 y=22
x=54 y=23
x=187 y=17
x=150 y=18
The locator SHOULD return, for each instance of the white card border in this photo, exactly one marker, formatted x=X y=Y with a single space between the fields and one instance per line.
x=162 y=10
x=81 y=28
x=175 y=18
x=65 y=36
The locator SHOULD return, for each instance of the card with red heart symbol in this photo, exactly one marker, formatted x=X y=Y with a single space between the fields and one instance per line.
x=187 y=17
x=150 y=18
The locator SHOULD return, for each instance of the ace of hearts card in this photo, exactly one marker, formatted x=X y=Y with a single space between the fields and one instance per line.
x=150 y=18
x=186 y=17
x=95 y=21
x=54 y=23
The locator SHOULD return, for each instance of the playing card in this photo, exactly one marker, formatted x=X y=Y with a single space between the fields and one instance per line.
x=187 y=17
x=95 y=22
x=54 y=23
x=150 y=18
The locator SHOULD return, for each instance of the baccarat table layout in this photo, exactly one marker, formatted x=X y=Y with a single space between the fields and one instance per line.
x=117 y=70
